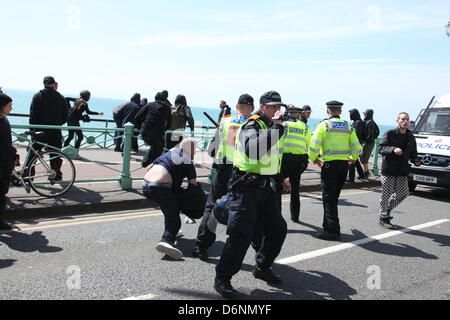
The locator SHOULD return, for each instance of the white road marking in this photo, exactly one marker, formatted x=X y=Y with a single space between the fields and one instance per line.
x=145 y=297
x=340 y=247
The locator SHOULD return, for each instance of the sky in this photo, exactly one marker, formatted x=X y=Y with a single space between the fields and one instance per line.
x=391 y=56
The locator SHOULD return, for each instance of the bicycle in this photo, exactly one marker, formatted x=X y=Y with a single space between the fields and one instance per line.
x=39 y=174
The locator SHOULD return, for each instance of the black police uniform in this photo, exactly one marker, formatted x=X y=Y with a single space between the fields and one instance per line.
x=219 y=187
x=252 y=202
x=333 y=175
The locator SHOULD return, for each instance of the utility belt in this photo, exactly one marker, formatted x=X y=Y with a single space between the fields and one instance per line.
x=241 y=179
x=220 y=167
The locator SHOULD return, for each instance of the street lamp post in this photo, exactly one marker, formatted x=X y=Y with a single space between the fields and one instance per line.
x=447 y=28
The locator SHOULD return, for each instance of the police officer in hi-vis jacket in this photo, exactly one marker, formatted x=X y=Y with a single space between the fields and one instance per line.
x=222 y=149
x=337 y=143
x=297 y=137
x=253 y=202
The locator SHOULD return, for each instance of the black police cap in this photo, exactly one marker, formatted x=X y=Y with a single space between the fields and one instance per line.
x=294 y=110
x=246 y=99
x=271 y=98
x=306 y=108
x=334 y=104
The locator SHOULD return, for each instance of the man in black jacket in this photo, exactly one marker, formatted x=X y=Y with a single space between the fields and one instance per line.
x=372 y=134
x=48 y=107
x=128 y=114
x=361 y=133
x=153 y=120
x=224 y=110
x=7 y=155
x=398 y=146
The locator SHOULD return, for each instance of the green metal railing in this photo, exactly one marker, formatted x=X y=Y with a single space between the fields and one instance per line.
x=125 y=179
x=108 y=136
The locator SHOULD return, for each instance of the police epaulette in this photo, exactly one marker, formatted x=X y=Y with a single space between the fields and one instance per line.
x=254 y=117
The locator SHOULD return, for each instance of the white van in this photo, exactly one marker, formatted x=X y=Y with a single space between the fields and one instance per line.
x=432 y=132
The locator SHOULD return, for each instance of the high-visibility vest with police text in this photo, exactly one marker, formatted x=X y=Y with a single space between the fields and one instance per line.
x=335 y=139
x=296 y=137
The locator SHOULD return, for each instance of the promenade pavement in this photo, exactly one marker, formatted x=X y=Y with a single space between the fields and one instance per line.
x=90 y=197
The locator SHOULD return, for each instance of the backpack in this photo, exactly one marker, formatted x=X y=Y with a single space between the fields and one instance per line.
x=373 y=131
x=362 y=132
x=178 y=118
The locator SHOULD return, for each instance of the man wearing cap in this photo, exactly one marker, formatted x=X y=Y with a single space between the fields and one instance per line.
x=338 y=144
x=49 y=107
x=222 y=150
x=306 y=114
x=295 y=156
x=253 y=202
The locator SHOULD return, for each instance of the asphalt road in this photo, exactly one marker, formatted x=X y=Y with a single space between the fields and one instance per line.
x=113 y=256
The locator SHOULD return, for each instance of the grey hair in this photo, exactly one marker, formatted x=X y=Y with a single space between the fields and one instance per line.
x=186 y=144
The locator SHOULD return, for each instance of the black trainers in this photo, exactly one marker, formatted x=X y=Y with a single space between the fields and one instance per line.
x=386 y=223
x=266 y=275
x=225 y=289
x=200 y=253
x=5 y=226
x=328 y=236
x=295 y=220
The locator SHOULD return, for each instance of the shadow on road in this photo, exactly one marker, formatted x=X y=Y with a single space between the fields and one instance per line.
x=398 y=249
x=296 y=285
x=430 y=193
x=28 y=242
x=6 y=263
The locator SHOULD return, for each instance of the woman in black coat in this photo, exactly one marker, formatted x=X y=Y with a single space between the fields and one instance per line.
x=76 y=115
x=7 y=154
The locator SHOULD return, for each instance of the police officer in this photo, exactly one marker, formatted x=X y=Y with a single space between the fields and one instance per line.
x=295 y=155
x=306 y=114
x=222 y=148
x=337 y=142
x=253 y=202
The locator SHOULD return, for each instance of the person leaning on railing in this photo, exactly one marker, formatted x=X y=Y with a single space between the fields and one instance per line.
x=76 y=115
x=7 y=154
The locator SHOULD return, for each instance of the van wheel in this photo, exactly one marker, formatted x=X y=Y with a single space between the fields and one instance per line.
x=412 y=186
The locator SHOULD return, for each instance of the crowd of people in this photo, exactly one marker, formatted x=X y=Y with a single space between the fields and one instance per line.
x=257 y=155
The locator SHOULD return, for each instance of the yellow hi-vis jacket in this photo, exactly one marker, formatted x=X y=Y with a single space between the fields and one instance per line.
x=335 y=139
x=228 y=129
x=297 y=137
x=268 y=164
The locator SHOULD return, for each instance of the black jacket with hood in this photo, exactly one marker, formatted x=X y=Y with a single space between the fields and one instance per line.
x=372 y=127
x=394 y=165
x=358 y=125
x=129 y=111
x=180 y=100
x=154 y=119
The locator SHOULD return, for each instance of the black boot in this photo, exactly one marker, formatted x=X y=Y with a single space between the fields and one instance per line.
x=266 y=274
x=225 y=289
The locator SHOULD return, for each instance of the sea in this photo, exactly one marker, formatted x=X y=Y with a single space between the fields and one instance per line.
x=22 y=100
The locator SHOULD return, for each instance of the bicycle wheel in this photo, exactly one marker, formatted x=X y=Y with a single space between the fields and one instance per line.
x=49 y=182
